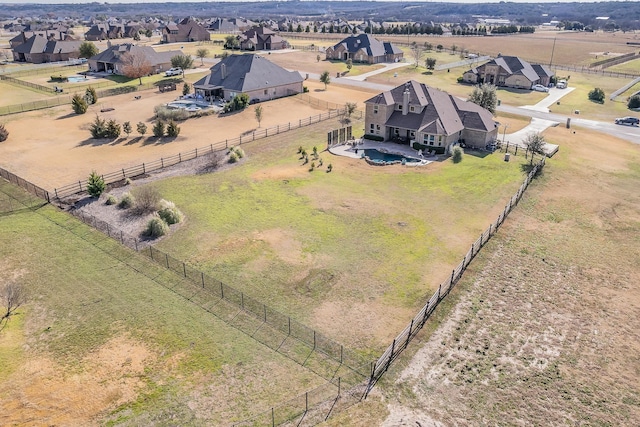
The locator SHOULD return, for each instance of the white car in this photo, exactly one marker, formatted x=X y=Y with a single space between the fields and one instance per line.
x=173 y=72
x=562 y=84
x=540 y=88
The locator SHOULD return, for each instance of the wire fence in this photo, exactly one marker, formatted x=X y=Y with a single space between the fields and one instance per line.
x=19 y=82
x=31 y=188
x=401 y=342
x=12 y=199
x=164 y=162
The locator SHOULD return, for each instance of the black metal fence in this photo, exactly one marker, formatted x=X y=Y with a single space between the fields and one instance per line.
x=31 y=188
x=144 y=168
x=30 y=85
x=401 y=342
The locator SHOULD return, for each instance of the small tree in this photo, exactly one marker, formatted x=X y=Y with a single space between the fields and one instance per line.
x=258 y=113
x=173 y=130
x=534 y=141
x=98 y=128
x=87 y=50
x=349 y=109
x=485 y=96
x=186 y=88
x=147 y=199
x=126 y=128
x=597 y=95
x=428 y=46
x=430 y=63
x=135 y=66
x=12 y=296
x=113 y=129
x=349 y=64
x=90 y=95
x=202 y=53
x=95 y=185
x=417 y=51
x=439 y=48
x=148 y=33
x=79 y=104
x=4 y=133
x=231 y=42
x=325 y=78
x=454 y=48
x=141 y=128
x=136 y=36
x=634 y=102
x=182 y=61
x=158 y=129
x=318 y=58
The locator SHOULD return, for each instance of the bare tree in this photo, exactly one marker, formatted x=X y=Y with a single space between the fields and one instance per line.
x=12 y=296
x=258 y=112
x=534 y=141
x=349 y=109
x=202 y=53
x=135 y=66
x=417 y=51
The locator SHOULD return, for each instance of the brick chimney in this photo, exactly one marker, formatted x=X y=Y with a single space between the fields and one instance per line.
x=223 y=71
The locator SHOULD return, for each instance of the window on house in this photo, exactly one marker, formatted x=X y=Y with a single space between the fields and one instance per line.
x=372 y=126
x=378 y=127
x=265 y=91
x=432 y=138
x=413 y=133
x=439 y=144
x=397 y=131
x=375 y=109
x=400 y=107
x=412 y=108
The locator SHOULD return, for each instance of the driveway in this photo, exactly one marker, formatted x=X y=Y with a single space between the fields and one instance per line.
x=387 y=67
x=536 y=126
x=554 y=96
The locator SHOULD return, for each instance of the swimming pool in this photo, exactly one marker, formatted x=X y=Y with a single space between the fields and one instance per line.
x=376 y=156
x=189 y=105
x=76 y=79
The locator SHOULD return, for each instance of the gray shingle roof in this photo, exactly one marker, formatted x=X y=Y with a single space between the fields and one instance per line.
x=244 y=73
x=441 y=112
x=113 y=54
x=372 y=46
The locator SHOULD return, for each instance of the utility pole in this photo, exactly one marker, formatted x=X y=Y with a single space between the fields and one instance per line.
x=552 y=50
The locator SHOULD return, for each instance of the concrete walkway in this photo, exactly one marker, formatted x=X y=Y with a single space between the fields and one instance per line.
x=387 y=67
x=554 y=96
x=536 y=126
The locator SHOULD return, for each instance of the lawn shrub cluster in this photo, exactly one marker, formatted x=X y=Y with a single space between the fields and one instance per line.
x=156 y=227
x=235 y=154
x=146 y=199
x=163 y=112
x=160 y=129
x=169 y=213
x=4 y=133
x=239 y=102
x=126 y=201
x=374 y=137
x=597 y=95
x=457 y=155
x=101 y=128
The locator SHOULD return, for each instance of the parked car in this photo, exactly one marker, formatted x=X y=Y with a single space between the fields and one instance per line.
x=631 y=121
x=173 y=72
x=540 y=88
x=562 y=84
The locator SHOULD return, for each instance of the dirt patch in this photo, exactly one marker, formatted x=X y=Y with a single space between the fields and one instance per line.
x=41 y=392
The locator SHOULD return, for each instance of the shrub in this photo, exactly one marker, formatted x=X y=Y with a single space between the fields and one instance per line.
x=186 y=88
x=95 y=185
x=300 y=149
x=312 y=167
x=98 y=128
x=4 y=133
x=169 y=213
x=329 y=167
x=156 y=227
x=634 y=102
x=127 y=181
x=305 y=89
x=597 y=95
x=238 y=102
x=90 y=95
x=374 y=137
x=141 y=128
x=126 y=128
x=158 y=129
x=79 y=104
x=173 y=130
x=113 y=129
x=147 y=199
x=127 y=201
x=457 y=155
x=233 y=157
x=111 y=200
x=165 y=113
x=239 y=152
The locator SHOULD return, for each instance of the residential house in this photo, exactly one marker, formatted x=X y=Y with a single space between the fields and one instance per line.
x=509 y=71
x=37 y=49
x=47 y=34
x=187 y=30
x=261 y=38
x=251 y=74
x=110 y=31
x=364 y=48
x=431 y=119
x=113 y=59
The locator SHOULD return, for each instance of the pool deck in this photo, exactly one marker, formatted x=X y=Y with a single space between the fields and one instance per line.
x=349 y=150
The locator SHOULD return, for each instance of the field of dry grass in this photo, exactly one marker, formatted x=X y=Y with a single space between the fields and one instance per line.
x=543 y=329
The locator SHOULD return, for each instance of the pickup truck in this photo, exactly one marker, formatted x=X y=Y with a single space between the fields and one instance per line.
x=173 y=72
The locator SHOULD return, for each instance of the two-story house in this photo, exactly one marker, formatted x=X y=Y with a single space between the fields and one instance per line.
x=416 y=113
x=364 y=48
x=509 y=71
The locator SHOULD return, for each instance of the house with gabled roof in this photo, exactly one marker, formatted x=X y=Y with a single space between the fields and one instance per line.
x=509 y=71
x=261 y=38
x=112 y=60
x=414 y=113
x=38 y=49
x=252 y=74
x=187 y=30
x=364 y=48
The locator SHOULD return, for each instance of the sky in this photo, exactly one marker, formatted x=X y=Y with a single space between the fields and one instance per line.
x=197 y=1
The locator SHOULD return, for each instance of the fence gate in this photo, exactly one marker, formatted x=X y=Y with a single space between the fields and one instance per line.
x=339 y=136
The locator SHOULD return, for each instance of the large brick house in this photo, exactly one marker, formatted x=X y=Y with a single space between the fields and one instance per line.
x=509 y=71
x=364 y=48
x=187 y=30
x=37 y=49
x=252 y=74
x=113 y=59
x=261 y=38
x=416 y=113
